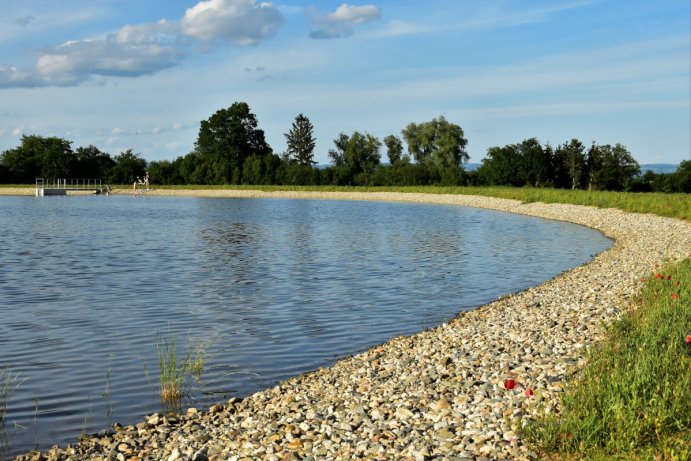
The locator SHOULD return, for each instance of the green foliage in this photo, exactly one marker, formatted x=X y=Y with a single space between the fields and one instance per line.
x=394 y=150
x=437 y=142
x=225 y=141
x=8 y=383
x=355 y=158
x=632 y=397
x=128 y=166
x=38 y=156
x=300 y=141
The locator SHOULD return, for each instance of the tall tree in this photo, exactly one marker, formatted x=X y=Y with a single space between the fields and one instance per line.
x=91 y=162
x=573 y=156
x=128 y=166
x=593 y=166
x=49 y=157
x=355 y=157
x=436 y=143
x=226 y=140
x=394 y=149
x=301 y=140
x=618 y=167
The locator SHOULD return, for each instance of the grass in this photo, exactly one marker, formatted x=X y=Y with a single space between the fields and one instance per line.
x=8 y=383
x=175 y=373
x=633 y=398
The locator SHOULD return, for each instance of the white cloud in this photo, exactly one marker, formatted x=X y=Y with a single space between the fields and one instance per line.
x=116 y=131
x=148 y=48
x=339 y=23
x=243 y=22
x=17 y=131
x=352 y=14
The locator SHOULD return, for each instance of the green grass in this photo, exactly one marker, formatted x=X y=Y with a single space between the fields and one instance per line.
x=8 y=383
x=633 y=398
x=174 y=373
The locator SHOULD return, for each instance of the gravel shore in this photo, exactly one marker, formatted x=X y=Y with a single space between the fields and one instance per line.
x=438 y=394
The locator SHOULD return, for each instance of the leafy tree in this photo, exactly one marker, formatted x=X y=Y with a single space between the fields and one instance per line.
x=224 y=143
x=593 y=166
x=618 y=167
x=573 y=156
x=48 y=157
x=91 y=162
x=394 y=149
x=535 y=163
x=502 y=167
x=436 y=143
x=301 y=141
x=355 y=158
x=128 y=166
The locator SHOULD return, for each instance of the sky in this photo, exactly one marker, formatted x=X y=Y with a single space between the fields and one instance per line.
x=141 y=75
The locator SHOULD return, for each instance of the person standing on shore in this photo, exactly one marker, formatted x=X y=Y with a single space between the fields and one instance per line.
x=146 y=180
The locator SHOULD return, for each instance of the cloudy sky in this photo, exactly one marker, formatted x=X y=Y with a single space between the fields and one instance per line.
x=122 y=74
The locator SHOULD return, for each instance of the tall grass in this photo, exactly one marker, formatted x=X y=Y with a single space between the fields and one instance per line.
x=633 y=399
x=8 y=383
x=174 y=373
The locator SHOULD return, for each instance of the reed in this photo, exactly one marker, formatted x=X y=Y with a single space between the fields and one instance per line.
x=632 y=399
x=8 y=383
x=176 y=373
x=171 y=370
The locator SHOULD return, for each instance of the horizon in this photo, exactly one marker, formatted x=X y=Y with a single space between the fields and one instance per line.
x=124 y=75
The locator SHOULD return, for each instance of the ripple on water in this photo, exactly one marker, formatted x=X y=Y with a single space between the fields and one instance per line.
x=266 y=288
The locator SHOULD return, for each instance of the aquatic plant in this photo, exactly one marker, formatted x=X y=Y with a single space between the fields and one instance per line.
x=8 y=383
x=171 y=372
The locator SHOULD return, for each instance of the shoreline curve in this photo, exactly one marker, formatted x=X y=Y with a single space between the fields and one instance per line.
x=437 y=394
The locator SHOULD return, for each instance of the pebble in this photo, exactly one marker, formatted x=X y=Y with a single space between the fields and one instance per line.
x=439 y=394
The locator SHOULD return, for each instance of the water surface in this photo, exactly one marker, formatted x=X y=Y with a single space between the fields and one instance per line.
x=267 y=288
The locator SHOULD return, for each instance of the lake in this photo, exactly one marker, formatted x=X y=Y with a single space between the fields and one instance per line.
x=260 y=289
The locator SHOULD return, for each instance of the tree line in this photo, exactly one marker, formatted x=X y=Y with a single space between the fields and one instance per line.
x=232 y=149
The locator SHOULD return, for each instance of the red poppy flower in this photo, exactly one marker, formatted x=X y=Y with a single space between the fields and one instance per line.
x=669 y=277
x=658 y=276
x=529 y=392
x=676 y=284
x=675 y=296
x=509 y=384
x=643 y=279
x=688 y=339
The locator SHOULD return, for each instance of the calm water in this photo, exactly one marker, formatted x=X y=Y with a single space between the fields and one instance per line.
x=267 y=288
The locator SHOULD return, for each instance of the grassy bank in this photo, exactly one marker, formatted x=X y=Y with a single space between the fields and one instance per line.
x=632 y=400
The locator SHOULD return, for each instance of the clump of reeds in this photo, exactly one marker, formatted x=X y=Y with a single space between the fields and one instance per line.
x=175 y=373
x=8 y=383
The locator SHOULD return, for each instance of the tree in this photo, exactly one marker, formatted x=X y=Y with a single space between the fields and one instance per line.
x=225 y=141
x=48 y=157
x=128 y=166
x=573 y=155
x=535 y=163
x=593 y=166
x=90 y=162
x=618 y=168
x=355 y=157
x=502 y=167
x=394 y=149
x=436 y=143
x=301 y=141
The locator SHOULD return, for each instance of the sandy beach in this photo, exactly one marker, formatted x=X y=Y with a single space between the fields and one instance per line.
x=438 y=394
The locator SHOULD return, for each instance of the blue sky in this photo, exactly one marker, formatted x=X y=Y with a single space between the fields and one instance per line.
x=122 y=74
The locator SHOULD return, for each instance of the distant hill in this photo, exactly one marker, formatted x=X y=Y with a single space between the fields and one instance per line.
x=659 y=168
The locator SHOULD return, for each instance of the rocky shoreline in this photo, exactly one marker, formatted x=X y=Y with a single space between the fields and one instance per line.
x=439 y=394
